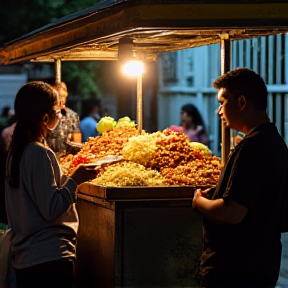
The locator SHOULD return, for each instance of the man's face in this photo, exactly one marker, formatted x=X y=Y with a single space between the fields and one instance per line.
x=228 y=109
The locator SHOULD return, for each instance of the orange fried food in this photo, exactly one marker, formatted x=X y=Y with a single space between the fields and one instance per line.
x=199 y=172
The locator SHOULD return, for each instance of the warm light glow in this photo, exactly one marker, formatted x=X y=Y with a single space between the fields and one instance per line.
x=133 y=68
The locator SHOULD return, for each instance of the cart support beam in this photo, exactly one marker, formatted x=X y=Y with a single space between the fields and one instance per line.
x=139 y=103
x=225 y=67
x=57 y=70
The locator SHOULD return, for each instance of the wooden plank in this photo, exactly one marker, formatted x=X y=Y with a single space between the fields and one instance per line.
x=241 y=53
x=248 y=53
x=137 y=193
x=263 y=58
x=278 y=59
x=255 y=58
x=234 y=53
x=270 y=107
x=95 y=263
x=271 y=59
x=279 y=118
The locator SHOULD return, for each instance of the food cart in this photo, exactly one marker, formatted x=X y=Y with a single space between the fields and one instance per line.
x=137 y=237
x=133 y=237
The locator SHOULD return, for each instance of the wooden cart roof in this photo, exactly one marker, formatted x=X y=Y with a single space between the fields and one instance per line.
x=155 y=26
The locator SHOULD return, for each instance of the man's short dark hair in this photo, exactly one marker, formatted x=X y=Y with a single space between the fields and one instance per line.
x=243 y=81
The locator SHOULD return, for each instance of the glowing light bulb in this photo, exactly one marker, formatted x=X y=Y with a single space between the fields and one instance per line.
x=133 y=68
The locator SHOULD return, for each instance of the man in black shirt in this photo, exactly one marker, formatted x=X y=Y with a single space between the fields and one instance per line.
x=244 y=216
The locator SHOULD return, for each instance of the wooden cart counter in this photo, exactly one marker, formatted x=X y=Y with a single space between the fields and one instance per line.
x=137 y=237
x=137 y=193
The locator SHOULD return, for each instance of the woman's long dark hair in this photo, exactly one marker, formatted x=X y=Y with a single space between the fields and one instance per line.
x=32 y=102
x=192 y=111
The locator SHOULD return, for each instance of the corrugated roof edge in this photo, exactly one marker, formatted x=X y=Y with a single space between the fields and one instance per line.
x=73 y=16
x=105 y=4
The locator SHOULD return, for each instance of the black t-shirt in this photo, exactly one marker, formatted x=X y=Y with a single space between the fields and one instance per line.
x=256 y=176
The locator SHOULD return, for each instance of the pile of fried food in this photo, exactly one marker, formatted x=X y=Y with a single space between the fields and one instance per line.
x=162 y=158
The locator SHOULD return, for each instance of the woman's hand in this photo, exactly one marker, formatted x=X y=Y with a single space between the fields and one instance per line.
x=82 y=174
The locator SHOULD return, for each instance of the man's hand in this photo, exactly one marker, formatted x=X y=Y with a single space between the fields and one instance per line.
x=201 y=193
x=218 y=210
x=197 y=194
x=207 y=192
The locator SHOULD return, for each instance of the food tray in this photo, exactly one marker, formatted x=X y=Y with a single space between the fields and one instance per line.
x=137 y=193
x=104 y=160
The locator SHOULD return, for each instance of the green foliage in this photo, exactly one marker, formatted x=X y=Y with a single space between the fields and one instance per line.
x=18 y=18
x=81 y=78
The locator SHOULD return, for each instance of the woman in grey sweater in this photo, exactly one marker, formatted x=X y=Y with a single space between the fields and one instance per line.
x=40 y=201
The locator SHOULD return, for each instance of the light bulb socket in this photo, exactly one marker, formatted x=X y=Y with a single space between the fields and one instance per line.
x=125 y=49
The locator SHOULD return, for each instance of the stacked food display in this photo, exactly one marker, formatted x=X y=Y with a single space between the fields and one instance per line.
x=145 y=182
x=125 y=158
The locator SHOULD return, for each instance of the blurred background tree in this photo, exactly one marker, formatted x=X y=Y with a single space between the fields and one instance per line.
x=20 y=17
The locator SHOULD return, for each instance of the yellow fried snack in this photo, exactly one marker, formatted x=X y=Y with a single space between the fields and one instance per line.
x=125 y=121
x=140 y=149
x=201 y=148
x=125 y=174
x=106 y=124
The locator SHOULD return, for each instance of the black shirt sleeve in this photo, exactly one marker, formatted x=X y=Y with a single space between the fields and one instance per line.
x=247 y=178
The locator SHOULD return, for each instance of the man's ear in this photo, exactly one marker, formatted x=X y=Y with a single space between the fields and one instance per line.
x=242 y=102
x=46 y=118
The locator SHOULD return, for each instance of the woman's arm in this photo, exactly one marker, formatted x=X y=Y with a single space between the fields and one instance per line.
x=42 y=182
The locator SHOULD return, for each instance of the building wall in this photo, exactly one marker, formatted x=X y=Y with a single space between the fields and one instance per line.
x=185 y=76
x=9 y=86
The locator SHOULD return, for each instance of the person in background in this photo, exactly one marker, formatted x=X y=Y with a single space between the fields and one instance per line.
x=8 y=131
x=106 y=112
x=245 y=214
x=6 y=114
x=40 y=201
x=68 y=128
x=89 y=118
x=3 y=157
x=5 y=140
x=192 y=125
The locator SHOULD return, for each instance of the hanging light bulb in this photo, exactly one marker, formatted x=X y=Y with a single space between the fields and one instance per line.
x=133 y=68
x=130 y=63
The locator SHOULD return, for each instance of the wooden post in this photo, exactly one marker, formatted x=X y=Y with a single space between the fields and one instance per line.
x=57 y=70
x=225 y=67
x=139 y=103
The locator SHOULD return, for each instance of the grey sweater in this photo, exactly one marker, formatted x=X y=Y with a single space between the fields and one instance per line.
x=41 y=212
